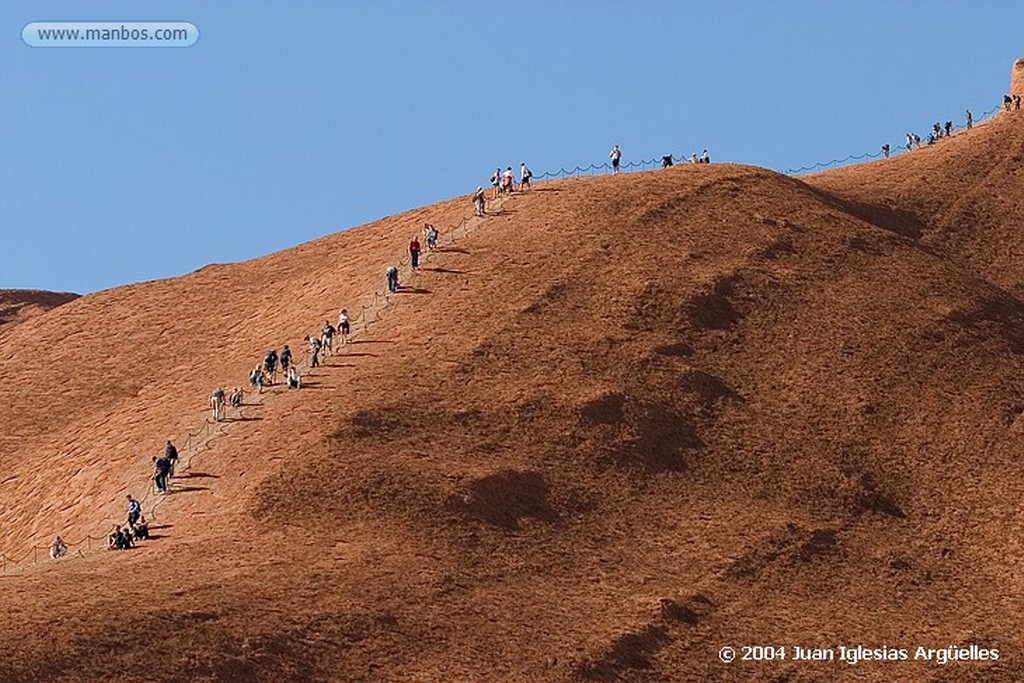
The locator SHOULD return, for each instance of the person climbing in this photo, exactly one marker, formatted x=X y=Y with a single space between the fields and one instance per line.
x=314 y=351
x=294 y=379
x=949 y=128
x=910 y=141
x=256 y=379
x=236 y=398
x=134 y=510
x=414 y=252
x=1007 y=101
x=285 y=358
x=478 y=201
x=327 y=338
x=392 y=275
x=705 y=158
x=1016 y=102
x=524 y=176
x=495 y=182
x=616 y=156
x=970 y=119
x=58 y=548
x=885 y=151
x=917 y=141
x=217 y=404
x=693 y=157
x=162 y=468
x=270 y=365
x=114 y=541
x=431 y=237
x=344 y=325
x=508 y=179
x=666 y=161
x=171 y=455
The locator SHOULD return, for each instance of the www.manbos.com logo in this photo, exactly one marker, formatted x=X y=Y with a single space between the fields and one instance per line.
x=110 y=34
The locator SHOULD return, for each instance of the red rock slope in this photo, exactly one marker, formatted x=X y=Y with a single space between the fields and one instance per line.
x=625 y=422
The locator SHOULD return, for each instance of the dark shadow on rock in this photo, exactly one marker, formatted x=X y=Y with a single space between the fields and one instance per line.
x=714 y=310
x=657 y=439
x=632 y=651
x=680 y=349
x=777 y=249
x=870 y=498
x=821 y=542
x=709 y=388
x=690 y=612
x=452 y=271
x=606 y=409
x=372 y=422
x=1001 y=313
x=504 y=498
x=902 y=223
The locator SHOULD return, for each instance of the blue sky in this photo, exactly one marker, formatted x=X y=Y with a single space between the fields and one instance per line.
x=292 y=119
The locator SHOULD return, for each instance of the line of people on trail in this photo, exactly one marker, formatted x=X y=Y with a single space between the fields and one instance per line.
x=938 y=131
x=136 y=527
x=1011 y=102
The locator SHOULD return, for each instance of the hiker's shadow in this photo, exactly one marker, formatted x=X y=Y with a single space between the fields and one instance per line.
x=414 y=290
x=189 y=489
x=446 y=270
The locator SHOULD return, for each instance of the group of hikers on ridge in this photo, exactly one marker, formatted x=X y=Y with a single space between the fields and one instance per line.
x=504 y=182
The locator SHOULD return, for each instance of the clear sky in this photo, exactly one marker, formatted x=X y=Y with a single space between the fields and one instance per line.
x=291 y=119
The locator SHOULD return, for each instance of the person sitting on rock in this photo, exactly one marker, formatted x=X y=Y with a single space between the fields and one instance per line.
x=141 y=529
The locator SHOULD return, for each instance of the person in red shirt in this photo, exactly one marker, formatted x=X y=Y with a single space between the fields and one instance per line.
x=414 y=253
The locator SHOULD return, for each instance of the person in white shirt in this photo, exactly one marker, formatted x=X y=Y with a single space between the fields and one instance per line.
x=616 y=156
x=524 y=176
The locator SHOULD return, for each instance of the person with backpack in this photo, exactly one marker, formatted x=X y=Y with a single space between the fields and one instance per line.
x=495 y=182
x=616 y=157
x=256 y=379
x=524 y=176
x=970 y=119
x=217 y=403
x=414 y=252
x=392 y=276
x=235 y=400
x=161 y=468
x=270 y=365
x=134 y=510
x=949 y=128
x=171 y=456
x=705 y=158
x=885 y=151
x=327 y=338
x=508 y=179
x=344 y=325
